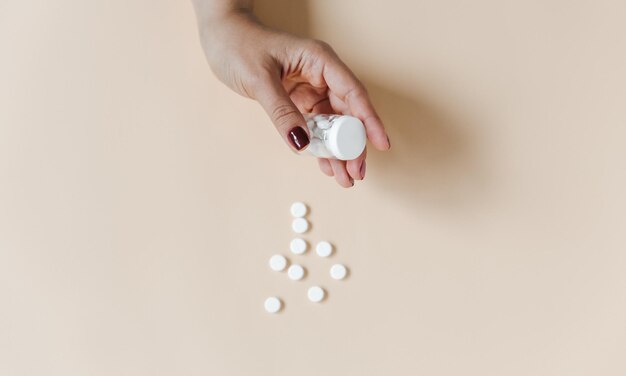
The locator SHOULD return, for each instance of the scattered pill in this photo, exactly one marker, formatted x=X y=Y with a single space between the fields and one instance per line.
x=324 y=249
x=278 y=263
x=300 y=225
x=298 y=246
x=295 y=272
x=338 y=271
x=298 y=209
x=273 y=304
x=316 y=294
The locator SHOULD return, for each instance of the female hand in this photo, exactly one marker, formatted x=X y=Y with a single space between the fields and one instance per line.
x=288 y=76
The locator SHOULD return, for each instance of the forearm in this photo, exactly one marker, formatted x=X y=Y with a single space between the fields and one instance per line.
x=207 y=10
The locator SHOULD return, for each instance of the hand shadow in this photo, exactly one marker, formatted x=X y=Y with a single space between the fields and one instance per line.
x=287 y=15
x=431 y=161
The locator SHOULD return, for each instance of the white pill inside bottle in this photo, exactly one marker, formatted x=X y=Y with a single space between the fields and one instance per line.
x=335 y=136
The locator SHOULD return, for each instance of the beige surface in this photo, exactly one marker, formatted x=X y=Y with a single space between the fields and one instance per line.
x=140 y=199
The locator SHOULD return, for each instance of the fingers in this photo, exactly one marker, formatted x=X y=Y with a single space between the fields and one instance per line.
x=309 y=99
x=322 y=107
x=346 y=87
x=341 y=174
x=325 y=166
x=284 y=114
x=337 y=104
x=356 y=167
x=344 y=172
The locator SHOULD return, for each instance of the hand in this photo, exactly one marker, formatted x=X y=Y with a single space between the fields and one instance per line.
x=289 y=76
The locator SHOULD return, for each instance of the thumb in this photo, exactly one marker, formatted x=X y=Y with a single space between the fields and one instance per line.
x=284 y=114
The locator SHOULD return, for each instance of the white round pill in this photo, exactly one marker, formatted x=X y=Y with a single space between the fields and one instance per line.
x=300 y=225
x=295 y=272
x=316 y=294
x=273 y=304
x=278 y=263
x=323 y=124
x=338 y=271
x=324 y=249
x=298 y=246
x=298 y=209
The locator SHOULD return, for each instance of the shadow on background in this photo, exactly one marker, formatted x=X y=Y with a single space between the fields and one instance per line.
x=288 y=15
x=431 y=160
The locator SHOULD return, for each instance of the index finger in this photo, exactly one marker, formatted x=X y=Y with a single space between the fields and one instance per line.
x=345 y=86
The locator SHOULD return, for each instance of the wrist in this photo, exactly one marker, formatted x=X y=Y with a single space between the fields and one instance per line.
x=215 y=23
x=211 y=12
x=223 y=33
x=228 y=30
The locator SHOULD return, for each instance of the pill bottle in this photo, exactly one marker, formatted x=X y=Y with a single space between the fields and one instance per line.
x=335 y=136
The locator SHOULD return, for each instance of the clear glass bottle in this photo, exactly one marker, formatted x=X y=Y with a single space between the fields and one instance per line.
x=335 y=136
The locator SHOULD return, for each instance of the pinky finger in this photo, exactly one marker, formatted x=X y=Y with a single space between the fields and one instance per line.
x=341 y=174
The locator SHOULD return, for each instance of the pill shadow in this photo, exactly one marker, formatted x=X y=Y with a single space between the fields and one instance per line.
x=326 y=296
x=347 y=276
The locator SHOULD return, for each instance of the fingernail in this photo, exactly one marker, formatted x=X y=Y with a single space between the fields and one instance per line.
x=298 y=138
x=388 y=142
x=352 y=181
x=363 y=170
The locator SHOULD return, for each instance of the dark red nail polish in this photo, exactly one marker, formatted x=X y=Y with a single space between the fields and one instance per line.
x=298 y=138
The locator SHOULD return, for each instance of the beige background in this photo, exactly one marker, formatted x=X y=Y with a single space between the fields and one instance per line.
x=140 y=199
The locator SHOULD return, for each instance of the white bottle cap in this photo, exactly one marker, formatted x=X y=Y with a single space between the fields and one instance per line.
x=346 y=138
